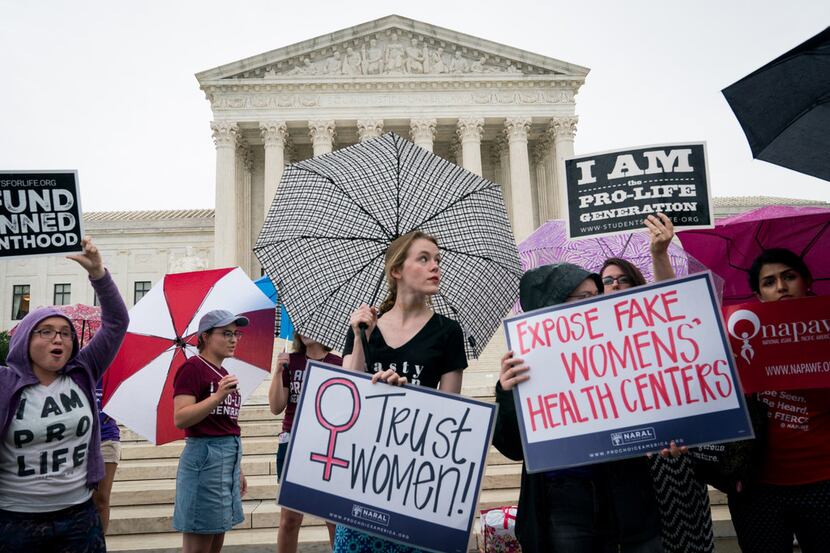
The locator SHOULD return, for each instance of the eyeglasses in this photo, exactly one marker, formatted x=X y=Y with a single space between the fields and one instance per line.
x=228 y=334
x=622 y=280
x=582 y=296
x=49 y=333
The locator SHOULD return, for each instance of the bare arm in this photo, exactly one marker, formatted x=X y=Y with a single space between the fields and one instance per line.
x=277 y=392
x=187 y=412
x=451 y=381
x=661 y=232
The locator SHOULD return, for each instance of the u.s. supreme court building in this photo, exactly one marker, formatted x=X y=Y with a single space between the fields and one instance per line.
x=501 y=112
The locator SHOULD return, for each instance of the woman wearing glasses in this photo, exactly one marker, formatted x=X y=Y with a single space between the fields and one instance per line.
x=209 y=482
x=50 y=451
x=682 y=499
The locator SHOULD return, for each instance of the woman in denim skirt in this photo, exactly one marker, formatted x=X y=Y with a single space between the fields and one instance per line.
x=209 y=482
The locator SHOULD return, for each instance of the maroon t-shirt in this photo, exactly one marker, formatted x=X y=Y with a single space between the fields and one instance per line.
x=199 y=378
x=292 y=378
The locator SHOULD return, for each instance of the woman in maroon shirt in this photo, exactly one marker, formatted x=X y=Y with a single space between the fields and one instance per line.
x=286 y=384
x=209 y=482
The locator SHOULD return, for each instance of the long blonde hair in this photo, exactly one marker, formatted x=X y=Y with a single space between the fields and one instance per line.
x=395 y=256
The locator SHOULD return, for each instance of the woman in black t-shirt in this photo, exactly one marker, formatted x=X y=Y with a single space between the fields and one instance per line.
x=409 y=344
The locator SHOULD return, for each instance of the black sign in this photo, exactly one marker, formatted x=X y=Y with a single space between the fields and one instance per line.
x=613 y=192
x=40 y=213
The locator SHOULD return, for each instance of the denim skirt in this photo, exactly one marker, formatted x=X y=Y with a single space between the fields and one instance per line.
x=208 y=493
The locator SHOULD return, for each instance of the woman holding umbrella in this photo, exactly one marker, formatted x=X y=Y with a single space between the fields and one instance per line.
x=209 y=480
x=407 y=341
x=48 y=411
x=792 y=496
x=680 y=495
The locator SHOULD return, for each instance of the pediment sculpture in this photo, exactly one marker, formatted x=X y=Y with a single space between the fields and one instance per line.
x=391 y=54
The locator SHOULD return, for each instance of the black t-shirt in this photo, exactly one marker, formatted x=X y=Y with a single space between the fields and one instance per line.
x=436 y=349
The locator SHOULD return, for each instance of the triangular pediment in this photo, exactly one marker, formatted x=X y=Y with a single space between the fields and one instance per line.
x=391 y=47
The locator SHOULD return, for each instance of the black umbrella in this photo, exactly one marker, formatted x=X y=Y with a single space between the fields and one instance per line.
x=326 y=233
x=784 y=111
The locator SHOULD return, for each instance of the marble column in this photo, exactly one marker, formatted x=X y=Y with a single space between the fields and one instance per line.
x=504 y=173
x=422 y=132
x=274 y=135
x=551 y=179
x=455 y=151
x=244 y=167
x=516 y=130
x=368 y=129
x=564 y=129
x=224 y=241
x=540 y=152
x=469 y=132
x=322 y=136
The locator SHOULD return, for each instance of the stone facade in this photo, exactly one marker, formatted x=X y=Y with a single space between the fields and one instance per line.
x=500 y=112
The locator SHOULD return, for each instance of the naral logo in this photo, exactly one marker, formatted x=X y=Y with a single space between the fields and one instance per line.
x=367 y=513
x=633 y=436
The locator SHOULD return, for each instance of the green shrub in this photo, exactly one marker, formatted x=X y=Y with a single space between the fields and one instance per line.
x=4 y=346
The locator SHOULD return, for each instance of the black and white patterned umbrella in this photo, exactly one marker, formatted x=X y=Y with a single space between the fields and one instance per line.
x=326 y=233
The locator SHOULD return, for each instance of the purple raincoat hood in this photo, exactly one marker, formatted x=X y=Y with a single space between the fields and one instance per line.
x=18 y=356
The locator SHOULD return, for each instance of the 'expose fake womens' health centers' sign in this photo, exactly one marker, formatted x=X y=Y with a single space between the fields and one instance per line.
x=403 y=463
x=624 y=374
x=40 y=213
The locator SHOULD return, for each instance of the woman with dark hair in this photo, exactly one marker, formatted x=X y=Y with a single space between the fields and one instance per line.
x=681 y=497
x=588 y=509
x=283 y=395
x=209 y=481
x=50 y=438
x=408 y=343
x=792 y=494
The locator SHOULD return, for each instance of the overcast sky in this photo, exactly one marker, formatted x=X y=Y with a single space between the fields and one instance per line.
x=108 y=87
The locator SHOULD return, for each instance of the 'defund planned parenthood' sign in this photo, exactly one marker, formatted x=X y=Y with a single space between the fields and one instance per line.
x=40 y=213
x=613 y=192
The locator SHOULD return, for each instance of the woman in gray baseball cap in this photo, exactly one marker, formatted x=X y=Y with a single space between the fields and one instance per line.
x=209 y=481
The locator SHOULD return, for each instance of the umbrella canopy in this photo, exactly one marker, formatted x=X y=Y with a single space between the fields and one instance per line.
x=85 y=318
x=549 y=244
x=333 y=217
x=730 y=248
x=284 y=326
x=138 y=385
x=784 y=111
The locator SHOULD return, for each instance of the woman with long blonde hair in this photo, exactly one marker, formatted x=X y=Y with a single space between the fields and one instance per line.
x=408 y=343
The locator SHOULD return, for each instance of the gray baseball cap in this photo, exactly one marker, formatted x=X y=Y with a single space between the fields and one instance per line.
x=220 y=317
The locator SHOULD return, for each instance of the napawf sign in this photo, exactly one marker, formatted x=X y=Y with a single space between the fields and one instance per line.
x=40 y=213
x=624 y=374
x=782 y=345
x=613 y=192
x=403 y=463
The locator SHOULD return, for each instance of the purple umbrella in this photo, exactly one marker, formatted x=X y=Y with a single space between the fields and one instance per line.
x=730 y=248
x=549 y=244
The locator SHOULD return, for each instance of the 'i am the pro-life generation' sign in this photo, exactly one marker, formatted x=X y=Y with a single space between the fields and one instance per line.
x=403 y=463
x=781 y=345
x=40 y=213
x=613 y=192
x=623 y=375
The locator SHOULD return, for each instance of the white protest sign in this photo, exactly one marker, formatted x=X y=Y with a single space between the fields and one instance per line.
x=624 y=374
x=403 y=463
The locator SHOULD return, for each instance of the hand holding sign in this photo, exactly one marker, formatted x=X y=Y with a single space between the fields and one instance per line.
x=90 y=259
x=513 y=371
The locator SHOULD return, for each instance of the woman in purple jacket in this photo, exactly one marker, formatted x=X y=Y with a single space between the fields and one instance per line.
x=50 y=438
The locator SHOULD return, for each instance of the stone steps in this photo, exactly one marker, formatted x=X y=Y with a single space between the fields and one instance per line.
x=144 y=490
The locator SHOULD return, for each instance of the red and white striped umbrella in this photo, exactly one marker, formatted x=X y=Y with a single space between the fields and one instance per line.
x=138 y=385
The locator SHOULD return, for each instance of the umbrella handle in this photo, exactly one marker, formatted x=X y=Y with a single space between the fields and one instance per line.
x=365 y=343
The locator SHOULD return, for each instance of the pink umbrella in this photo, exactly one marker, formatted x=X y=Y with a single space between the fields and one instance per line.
x=138 y=386
x=85 y=318
x=730 y=248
